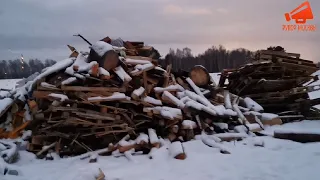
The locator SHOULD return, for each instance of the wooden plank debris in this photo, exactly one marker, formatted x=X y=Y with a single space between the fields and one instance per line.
x=119 y=99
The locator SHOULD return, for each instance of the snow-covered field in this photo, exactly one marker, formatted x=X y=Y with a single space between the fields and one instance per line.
x=277 y=160
x=8 y=83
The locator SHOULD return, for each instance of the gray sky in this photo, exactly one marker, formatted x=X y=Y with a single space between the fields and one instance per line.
x=42 y=28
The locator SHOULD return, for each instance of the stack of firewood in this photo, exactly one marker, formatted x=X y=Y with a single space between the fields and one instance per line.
x=108 y=99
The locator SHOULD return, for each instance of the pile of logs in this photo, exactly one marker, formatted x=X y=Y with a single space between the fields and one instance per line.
x=275 y=80
x=117 y=98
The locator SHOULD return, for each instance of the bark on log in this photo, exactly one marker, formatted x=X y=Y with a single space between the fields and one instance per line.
x=110 y=60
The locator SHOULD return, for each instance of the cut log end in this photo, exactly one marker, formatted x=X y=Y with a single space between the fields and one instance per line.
x=199 y=75
x=110 y=60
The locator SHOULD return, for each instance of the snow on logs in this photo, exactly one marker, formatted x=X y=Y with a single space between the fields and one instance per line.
x=106 y=96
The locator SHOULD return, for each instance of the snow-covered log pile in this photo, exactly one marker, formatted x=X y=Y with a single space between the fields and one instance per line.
x=93 y=100
x=277 y=81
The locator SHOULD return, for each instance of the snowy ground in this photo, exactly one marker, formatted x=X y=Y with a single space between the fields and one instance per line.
x=278 y=160
x=8 y=83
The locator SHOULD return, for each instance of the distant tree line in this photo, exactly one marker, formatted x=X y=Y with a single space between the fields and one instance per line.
x=214 y=59
x=18 y=69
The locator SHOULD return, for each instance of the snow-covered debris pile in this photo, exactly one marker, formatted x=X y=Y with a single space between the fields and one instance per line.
x=8 y=151
x=279 y=81
x=92 y=100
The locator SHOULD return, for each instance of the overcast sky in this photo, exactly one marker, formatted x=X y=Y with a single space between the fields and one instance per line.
x=43 y=28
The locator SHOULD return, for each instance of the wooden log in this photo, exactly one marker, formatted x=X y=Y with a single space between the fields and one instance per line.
x=18 y=119
x=167 y=76
x=33 y=106
x=95 y=70
x=199 y=75
x=46 y=148
x=274 y=121
x=124 y=148
x=140 y=58
x=280 y=53
x=182 y=83
x=303 y=137
x=168 y=97
x=92 y=89
x=74 y=52
x=241 y=117
x=147 y=67
x=107 y=117
x=15 y=133
x=138 y=93
x=110 y=60
x=227 y=100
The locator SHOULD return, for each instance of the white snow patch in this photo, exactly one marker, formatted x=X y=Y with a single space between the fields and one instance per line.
x=198 y=106
x=103 y=71
x=194 y=87
x=47 y=85
x=62 y=97
x=142 y=138
x=69 y=81
x=306 y=126
x=54 y=68
x=235 y=135
x=142 y=67
x=278 y=159
x=152 y=100
x=113 y=97
x=9 y=84
x=227 y=100
x=221 y=125
x=188 y=124
x=160 y=69
x=243 y=129
x=153 y=136
x=175 y=100
x=138 y=92
x=4 y=94
x=176 y=87
x=122 y=74
x=26 y=134
x=268 y=116
x=136 y=61
x=167 y=112
x=5 y=103
x=175 y=148
x=252 y=105
x=101 y=47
